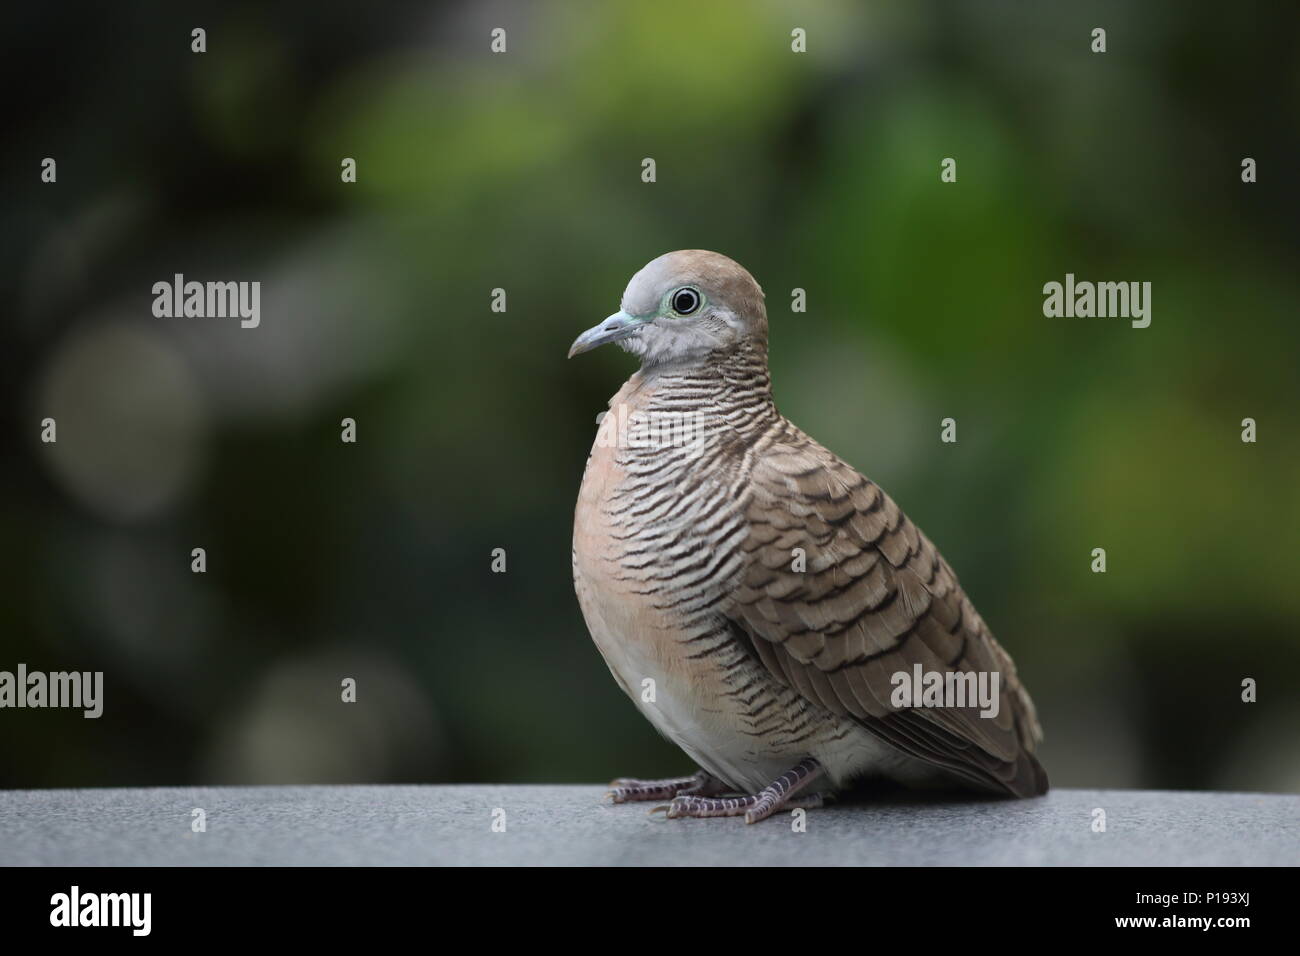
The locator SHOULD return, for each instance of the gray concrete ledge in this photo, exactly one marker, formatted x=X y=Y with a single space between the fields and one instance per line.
x=419 y=825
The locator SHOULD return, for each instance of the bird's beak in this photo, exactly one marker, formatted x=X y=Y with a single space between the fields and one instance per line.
x=618 y=326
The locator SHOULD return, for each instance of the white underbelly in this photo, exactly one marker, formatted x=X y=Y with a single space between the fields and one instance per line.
x=684 y=712
x=687 y=709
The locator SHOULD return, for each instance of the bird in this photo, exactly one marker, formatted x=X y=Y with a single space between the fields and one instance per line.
x=756 y=596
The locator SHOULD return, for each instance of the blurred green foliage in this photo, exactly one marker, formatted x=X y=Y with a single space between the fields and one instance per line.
x=522 y=171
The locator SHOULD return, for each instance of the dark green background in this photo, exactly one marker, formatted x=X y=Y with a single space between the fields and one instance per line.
x=522 y=171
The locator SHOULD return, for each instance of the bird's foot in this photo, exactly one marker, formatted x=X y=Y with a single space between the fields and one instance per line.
x=629 y=790
x=779 y=794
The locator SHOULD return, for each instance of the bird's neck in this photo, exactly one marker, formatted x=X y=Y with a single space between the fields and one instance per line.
x=731 y=388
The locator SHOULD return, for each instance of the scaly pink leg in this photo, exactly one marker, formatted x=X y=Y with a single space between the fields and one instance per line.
x=628 y=789
x=777 y=795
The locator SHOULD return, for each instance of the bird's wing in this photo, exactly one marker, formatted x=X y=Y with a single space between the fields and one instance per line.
x=874 y=599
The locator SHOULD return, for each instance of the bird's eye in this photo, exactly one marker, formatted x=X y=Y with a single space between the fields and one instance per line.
x=685 y=301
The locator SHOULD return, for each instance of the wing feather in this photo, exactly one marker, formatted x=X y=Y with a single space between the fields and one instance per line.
x=874 y=598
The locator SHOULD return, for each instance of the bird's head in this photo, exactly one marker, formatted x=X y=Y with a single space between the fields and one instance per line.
x=682 y=307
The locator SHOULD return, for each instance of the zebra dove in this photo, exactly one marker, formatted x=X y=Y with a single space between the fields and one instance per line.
x=767 y=608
